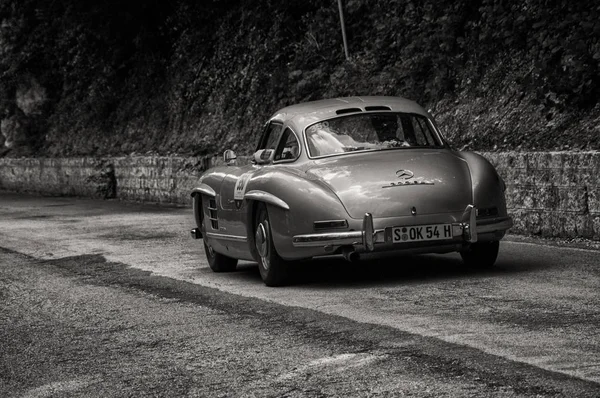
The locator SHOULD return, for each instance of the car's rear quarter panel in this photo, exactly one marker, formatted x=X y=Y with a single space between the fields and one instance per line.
x=308 y=201
x=487 y=187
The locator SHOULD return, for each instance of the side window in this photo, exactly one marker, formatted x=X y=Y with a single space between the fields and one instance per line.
x=417 y=131
x=271 y=135
x=289 y=147
x=422 y=132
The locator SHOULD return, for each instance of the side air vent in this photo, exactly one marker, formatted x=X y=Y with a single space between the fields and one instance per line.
x=377 y=108
x=212 y=214
x=347 y=110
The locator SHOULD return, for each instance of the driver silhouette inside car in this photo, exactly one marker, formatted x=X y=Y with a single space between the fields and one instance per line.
x=387 y=130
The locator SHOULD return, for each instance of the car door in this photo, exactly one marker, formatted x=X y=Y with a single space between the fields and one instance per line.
x=233 y=186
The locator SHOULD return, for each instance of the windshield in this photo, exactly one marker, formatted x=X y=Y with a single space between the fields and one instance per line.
x=370 y=132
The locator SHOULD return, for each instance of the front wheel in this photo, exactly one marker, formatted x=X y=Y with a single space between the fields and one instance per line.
x=481 y=254
x=274 y=270
x=217 y=261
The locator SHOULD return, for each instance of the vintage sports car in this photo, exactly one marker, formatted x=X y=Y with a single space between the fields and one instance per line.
x=349 y=176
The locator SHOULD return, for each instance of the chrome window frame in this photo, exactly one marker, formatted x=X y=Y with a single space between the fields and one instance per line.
x=262 y=136
x=299 y=146
x=427 y=117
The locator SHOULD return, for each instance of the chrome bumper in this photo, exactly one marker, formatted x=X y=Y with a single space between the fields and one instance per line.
x=368 y=236
x=486 y=226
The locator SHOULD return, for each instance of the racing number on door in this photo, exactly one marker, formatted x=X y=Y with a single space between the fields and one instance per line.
x=240 y=186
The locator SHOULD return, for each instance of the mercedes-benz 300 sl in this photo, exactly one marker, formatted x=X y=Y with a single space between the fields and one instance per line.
x=349 y=176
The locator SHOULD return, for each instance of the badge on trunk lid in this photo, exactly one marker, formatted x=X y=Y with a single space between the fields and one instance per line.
x=405 y=177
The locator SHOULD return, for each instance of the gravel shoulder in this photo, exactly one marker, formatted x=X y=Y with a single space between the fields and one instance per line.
x=82 y=326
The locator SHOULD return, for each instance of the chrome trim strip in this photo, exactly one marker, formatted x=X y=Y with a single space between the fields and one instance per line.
x=497 y=225
x=273 y=120
x=263 y=196
x=299 y=147
x=368 y=232
x=325 y=239
x=426 y=115
x=204 y=190
x=234 y=238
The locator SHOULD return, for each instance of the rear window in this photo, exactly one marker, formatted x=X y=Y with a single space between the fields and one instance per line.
x=370 y=132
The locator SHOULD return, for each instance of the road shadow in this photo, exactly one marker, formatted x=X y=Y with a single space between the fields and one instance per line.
x=388 y=269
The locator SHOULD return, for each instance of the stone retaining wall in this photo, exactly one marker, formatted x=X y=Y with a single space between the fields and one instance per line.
x=552 y=193
x=548 y=194
x=152 y=179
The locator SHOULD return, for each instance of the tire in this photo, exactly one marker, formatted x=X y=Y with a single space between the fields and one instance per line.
x=481 y=254
x=274 y=270
x=217 y=261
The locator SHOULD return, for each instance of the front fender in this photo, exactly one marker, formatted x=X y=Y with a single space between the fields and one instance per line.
x=208 y=185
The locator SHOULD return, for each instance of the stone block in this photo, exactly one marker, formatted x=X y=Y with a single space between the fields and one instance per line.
x=549 y=194
x=593 y=199
x=595 y=221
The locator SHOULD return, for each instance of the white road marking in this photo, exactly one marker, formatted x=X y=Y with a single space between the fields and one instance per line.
x=341 y=362
x=60 y=387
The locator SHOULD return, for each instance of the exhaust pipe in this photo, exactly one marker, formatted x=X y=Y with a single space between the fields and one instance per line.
x=350 y=254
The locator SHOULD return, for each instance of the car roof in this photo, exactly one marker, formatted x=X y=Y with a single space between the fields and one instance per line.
x=301 y=115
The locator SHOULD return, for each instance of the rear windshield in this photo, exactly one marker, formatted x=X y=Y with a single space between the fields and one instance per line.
x=370 y=132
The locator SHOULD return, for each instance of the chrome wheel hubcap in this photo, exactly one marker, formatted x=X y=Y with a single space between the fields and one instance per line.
x=262 y=243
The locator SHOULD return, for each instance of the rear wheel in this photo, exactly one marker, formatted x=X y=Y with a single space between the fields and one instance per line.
x=274 y=270
x=217 y=261
x=481 y=254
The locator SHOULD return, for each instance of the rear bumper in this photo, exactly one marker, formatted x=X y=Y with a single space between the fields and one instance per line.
x=494 y=225
x=368 y=239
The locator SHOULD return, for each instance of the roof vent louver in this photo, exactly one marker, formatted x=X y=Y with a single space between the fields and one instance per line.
x=347 y=110
x=377 y=108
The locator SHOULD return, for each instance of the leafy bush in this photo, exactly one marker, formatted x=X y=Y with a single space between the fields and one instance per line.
x=195 y=77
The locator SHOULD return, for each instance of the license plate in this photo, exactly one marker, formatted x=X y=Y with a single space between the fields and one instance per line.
x=421 y=233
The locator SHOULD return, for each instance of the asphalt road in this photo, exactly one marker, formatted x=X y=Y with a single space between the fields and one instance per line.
x=81 y=315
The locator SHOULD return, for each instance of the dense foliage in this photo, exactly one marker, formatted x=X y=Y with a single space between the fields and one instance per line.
x=114 y=77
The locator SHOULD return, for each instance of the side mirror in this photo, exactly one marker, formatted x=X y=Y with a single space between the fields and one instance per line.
x=263 y=156
x=229 y=157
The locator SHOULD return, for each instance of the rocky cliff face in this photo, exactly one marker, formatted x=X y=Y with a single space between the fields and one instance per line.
x=194 y=78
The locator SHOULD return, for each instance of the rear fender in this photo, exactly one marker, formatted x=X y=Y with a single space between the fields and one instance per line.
x=306 y=201
x=488 y=187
